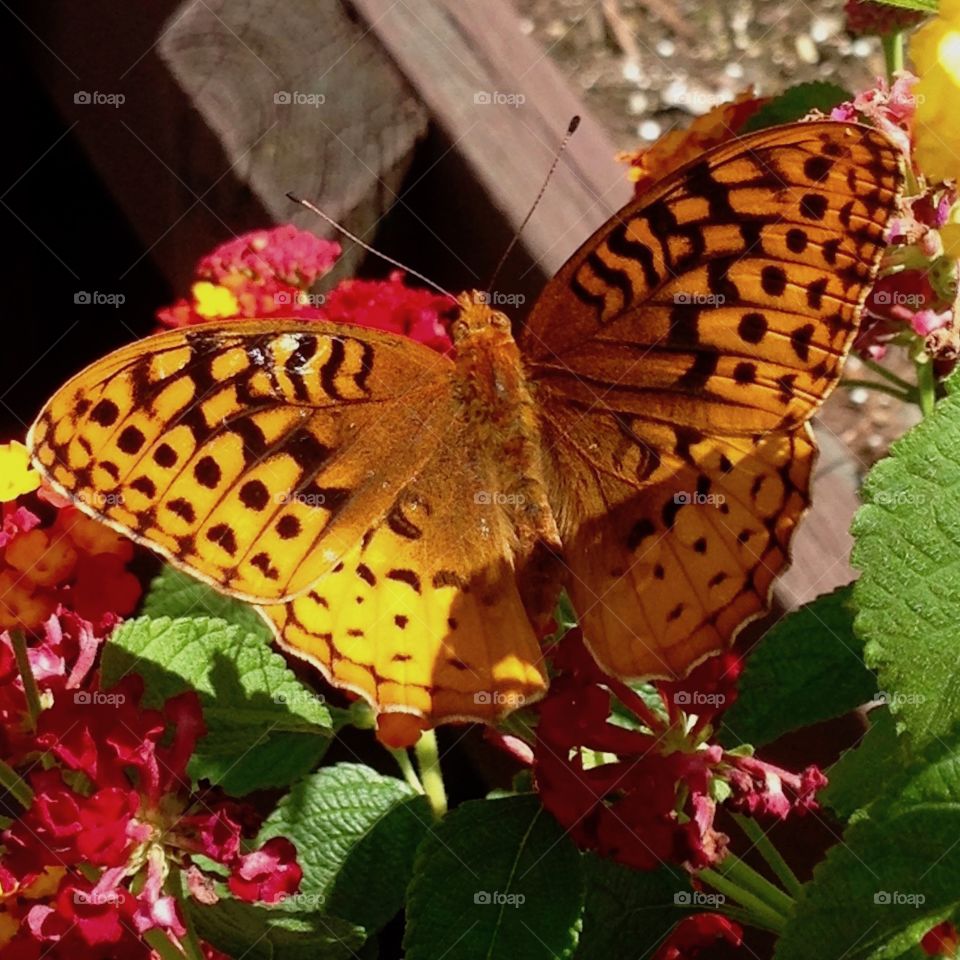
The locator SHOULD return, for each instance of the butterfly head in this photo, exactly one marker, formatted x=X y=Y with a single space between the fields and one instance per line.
x=478 y=318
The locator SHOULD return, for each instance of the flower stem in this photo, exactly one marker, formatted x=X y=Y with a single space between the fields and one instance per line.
x=428 y=759
x=176 y=886
x=770 y=853
x=746 y=877
x=15 y=785
x=406 y=768
x=166 y=949
x=893 y=52
x=882 y=371
x=881 y=387
x=30 y=689
x=760 y=914
x=926 y=386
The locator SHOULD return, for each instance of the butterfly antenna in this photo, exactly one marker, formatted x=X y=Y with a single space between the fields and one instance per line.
x=313 y=208
x=571 y=129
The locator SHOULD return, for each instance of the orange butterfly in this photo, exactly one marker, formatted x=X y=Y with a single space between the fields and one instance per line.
x=406 y=522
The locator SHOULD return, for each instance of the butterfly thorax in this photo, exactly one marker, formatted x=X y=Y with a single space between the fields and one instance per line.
x=498 y=410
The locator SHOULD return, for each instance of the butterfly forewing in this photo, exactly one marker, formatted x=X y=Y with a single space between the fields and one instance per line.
x=676 y=359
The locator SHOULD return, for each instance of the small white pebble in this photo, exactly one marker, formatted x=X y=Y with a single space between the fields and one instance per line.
x=861 y=47
x=806 y=48
x=526 y=26
x=666 y=48
x=734 y=70
x=859 y=395
x=649 y=130
x=631 y=70
x=638 y=103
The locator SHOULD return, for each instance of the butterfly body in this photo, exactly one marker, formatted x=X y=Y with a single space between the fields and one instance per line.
x=405 y=520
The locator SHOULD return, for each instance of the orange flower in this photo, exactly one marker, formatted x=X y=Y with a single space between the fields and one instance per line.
x=677 y=147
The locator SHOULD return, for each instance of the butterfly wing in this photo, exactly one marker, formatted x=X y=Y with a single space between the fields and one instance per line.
x=423 y=615
x=252 y=455
x=676 y=359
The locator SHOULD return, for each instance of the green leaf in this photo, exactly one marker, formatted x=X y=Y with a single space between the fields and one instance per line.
x=638 y=907
x=908 y=598
x=923 y=6
x=495 y=878
x=264 y=933
x=176 y=594
x=854 y=777
x=796 y=102
x=265 y=728
x=894 y=876
x=356 y=833
x=807 y=668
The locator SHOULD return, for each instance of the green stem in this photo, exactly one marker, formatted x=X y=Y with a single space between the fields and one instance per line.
x=406 y=768
x=761 y=914
x=166 y=949
x=882 y=371
x=15 y=785
x=771 y=854
x=886 y=388
x=746 y=919
x=191 y=942
x=893 y=53
x=745 y=876
x=926 y=386
x=428 y=759
x=30 y=688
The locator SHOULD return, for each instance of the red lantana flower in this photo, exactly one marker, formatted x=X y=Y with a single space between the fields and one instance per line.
x=637 y=779
x=696 y=933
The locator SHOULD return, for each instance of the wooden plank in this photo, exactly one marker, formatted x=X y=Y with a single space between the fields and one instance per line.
x=504 y=106
x=204 y=145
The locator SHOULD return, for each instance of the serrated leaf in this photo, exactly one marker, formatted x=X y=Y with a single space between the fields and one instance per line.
x=796 y=102
x=264 y=728
x=495 y=878
x=356 y=833
x=807 y=668
x=623 y=906
x=175 y=594
x=263 y=933
x=876 y=759
x=908 y=599
x=894 y=876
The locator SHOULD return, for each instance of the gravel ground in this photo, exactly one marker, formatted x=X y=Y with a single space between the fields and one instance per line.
x=647 y=66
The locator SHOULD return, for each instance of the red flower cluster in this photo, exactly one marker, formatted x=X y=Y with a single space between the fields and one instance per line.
x=639 y=780
x=269 y=273
x=113 y=821
x=74 y=561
